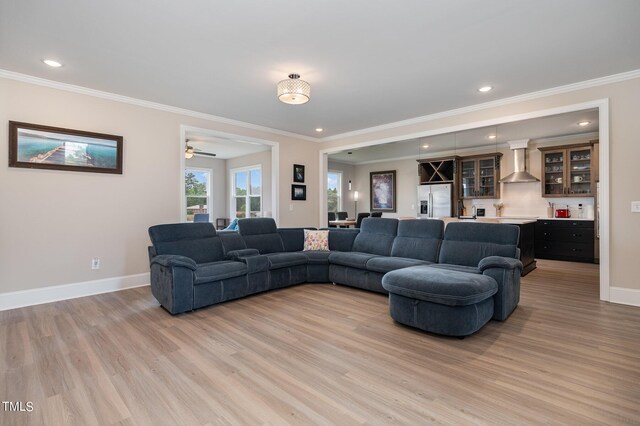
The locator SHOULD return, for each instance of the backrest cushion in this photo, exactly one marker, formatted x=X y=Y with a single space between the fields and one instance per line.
x=261 y=234
x=293 y=238
x=467 y=243
x=197 y=241
x=231 y=240
x=418 y=239
x=376 y=236
x=341 y=239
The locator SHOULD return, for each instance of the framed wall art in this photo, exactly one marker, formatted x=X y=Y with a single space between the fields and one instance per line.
x=34 y=146
x=383 y=191
x=298 y=192
x=298 y=173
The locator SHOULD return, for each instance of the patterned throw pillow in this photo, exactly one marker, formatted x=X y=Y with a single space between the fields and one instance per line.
x=316 y=240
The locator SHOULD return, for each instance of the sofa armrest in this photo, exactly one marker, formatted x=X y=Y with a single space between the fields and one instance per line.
x=499 y=262
x=506 y=271
x=239 y=254
x=172 y=260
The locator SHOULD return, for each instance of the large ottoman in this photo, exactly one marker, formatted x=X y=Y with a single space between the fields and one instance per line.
x=440 y=301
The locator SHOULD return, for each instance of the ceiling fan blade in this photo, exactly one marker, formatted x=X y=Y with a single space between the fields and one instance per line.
x=208 y=154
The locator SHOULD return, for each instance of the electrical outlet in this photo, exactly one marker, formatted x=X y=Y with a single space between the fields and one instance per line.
x=635 y=207
x=95 y=263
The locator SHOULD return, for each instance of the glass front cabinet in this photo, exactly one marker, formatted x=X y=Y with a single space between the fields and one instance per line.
x=569 y=171
x=480 y=176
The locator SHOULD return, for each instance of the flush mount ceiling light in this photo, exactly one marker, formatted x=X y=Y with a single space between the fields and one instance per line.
x=319 y=129
x=485 y=89
x=425 y=146
x=492 y=136
x=584 y=123
x=294 y=91
x=52 y=63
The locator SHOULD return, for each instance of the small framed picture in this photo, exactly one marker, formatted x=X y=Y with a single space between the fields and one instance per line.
x=383 y=191
x=299 y=192
x=298 y=173
x=34 y=146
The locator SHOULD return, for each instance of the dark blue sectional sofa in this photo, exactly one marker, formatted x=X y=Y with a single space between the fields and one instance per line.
x=193 y=266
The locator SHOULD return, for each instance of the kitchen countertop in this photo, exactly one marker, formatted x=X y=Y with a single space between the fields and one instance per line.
x=566 y=218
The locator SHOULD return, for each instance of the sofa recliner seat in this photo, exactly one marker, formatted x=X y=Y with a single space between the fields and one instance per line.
x=440 y=301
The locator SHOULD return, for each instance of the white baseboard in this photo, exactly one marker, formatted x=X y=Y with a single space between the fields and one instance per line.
x=625 y=296
x=37 y=296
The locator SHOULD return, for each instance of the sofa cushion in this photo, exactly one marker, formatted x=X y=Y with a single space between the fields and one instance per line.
x=231 y=241
x=286 y=259
x=292 y=238
x=440 y=286
x=261 y=233
x=376 y=236
x=341 y=239
x=197 y=241
x=459 y=268
x=352 y=259
x=468 y=243
x=216 y=271
x=319 y=257
x=385 y=264
x=418 y=239
x=316 y=240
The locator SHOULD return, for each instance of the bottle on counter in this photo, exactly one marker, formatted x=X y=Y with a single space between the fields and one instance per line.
x=580 y=211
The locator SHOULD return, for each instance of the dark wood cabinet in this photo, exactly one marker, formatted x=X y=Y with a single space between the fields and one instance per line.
x=569 y=171
x=438 y=170
x=479 y=176
x=571 y=240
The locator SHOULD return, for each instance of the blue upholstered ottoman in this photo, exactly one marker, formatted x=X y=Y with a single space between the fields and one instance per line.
x=440 y=301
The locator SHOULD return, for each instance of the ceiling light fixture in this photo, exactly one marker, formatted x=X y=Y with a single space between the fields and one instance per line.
x=52 y=63
x=294 y=91
x=425 y=146
x=584 y=123
x=492 y=136
x=319 y=129
x=188 y=151
x=485 y=89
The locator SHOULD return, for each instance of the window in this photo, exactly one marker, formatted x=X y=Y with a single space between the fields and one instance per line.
x=246 y=192
x=334 y=191
x=197 y=184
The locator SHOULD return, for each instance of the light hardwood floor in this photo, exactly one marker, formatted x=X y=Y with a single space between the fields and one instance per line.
x=323 y=354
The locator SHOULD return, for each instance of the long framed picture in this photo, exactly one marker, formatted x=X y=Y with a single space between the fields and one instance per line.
x=383 y=191
x=34 y=146
x=298 y=192
x=298 y=173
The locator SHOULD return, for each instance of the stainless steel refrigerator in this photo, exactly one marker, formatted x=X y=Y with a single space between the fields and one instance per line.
x=434 y=201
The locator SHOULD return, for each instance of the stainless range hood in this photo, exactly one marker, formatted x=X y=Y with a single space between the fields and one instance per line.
x=520 y=174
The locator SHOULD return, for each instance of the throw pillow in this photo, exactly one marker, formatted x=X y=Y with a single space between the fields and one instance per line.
x=316 y=240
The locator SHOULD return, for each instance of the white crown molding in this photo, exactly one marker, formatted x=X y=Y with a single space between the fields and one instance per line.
x=38 y=296
x=590 y=135
x=616 y=78
x=146 y=104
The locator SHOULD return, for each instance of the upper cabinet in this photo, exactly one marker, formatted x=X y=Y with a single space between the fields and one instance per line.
x=480 y=176
x=569 y=171
x=437 y=170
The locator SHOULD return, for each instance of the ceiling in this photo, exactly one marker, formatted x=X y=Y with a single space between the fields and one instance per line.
x=555 y=126
x=224 y=148
x=369 y=62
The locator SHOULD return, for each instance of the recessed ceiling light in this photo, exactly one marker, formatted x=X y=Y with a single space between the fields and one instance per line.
x=584 y=123
x=52 y=63
x=492 y=136
x=319 y=129
x=485 y=89
x=425 y=146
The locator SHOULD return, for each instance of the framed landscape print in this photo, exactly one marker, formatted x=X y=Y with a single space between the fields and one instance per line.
x=298 y=173
x=383 y=191
x=34 y=146
x=298 y=192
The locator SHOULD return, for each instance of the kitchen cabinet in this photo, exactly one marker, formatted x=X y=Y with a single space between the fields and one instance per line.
x=565 y=239
x=480 y=176
x=438 y=170
x=569 y=171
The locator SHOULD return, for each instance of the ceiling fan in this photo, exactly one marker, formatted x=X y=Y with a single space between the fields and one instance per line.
x=190 y=151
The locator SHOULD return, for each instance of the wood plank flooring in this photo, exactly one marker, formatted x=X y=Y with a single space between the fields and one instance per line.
x=323 y=354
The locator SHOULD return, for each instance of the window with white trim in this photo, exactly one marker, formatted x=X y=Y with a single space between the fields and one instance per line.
x=246 y=192
x=197 y=191
x=334 y=191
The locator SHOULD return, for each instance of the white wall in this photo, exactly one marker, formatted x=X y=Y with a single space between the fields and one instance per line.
x=218 y=169
x=53 y=222
x=262 y=159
